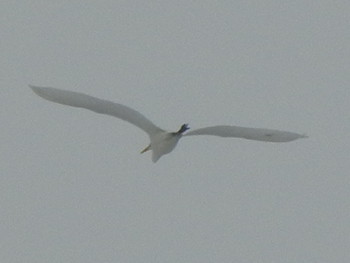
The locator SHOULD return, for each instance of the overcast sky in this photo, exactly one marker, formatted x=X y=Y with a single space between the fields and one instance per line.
x=73 y=186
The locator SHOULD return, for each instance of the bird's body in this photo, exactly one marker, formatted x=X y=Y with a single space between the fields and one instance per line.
x=161 y=141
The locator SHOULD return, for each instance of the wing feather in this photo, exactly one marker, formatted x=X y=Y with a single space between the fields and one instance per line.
x=81 y=100
x=267 y=135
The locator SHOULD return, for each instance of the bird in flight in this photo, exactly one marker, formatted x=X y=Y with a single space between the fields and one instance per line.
x=161 y=141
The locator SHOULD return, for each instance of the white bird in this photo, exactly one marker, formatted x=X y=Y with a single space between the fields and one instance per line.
x=161 y=141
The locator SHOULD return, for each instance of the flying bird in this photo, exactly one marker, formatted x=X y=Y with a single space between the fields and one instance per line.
x=161 y=141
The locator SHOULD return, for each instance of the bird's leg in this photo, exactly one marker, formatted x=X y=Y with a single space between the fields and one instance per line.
x=146 y=149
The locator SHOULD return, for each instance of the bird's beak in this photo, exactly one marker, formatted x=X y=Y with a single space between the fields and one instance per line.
x=146 y=149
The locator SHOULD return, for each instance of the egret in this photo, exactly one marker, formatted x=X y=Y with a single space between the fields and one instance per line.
x=161 y=141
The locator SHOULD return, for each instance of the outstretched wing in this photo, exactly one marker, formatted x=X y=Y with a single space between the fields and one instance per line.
x=81 y=100
x=266 y=135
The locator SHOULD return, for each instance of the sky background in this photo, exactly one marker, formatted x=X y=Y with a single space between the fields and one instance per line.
x=73 y=186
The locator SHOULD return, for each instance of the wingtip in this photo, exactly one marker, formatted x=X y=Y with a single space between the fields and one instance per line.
x=42 y=92
x=34 y=88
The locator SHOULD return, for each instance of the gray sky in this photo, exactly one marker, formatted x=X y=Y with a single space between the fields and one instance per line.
x=74 y=187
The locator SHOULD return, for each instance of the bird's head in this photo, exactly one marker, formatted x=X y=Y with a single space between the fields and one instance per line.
x=183 y=128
